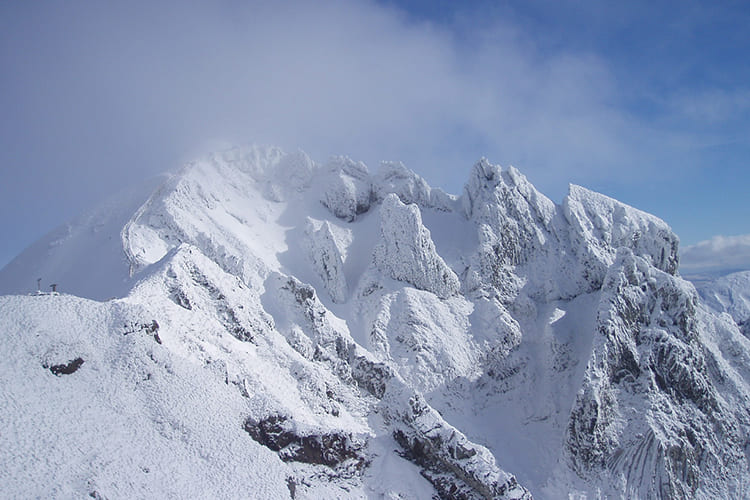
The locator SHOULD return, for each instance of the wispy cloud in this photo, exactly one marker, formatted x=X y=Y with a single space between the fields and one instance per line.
x=351 y=77
x=720 y=254
x=713 y=106
x=97 y=94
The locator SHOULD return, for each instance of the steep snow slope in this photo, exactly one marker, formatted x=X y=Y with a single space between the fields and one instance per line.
x=369 y=336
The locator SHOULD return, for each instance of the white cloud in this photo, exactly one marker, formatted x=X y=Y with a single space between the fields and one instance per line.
x=719 y=255
x=98 y=94
x=712 y=106
x=331 y=77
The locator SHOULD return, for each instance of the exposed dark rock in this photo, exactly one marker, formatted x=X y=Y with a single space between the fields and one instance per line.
x=65 y=368
x=148 y=328
x=448 y=487
x=292 y=487
x=330 y=449
x=456 y=467
x=178 y=297
x=450 y=479
x=154 y=330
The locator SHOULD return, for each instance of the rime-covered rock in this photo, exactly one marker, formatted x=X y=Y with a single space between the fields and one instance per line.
x=346 y=188
x=292 y=173
x=507 y=204
x=327 y=260
x=394 y=177
x=426 y=339
x=648 y=360
x=600 y=225
x=407 y=253
x=218 y=205
x=457 y=467
x=519 y=236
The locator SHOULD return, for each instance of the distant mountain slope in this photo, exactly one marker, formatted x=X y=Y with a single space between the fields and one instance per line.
x=341 y=333
x=84 y=256
x=729 y=294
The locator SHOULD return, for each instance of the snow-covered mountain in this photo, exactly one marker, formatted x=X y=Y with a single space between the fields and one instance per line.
x=729 y=294
x=263 y=326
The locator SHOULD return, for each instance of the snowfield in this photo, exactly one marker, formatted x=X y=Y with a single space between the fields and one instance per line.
x=259 y=325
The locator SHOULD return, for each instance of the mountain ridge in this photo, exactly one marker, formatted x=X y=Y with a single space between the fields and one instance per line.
x=478 y=338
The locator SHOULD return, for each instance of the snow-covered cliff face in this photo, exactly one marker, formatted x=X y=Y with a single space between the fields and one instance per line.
x=652 y=390
x=407 y=253
x=367 y=335
x=523 y=233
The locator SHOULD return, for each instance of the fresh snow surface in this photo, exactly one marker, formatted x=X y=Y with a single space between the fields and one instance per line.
x=259 y=325
x=135 y=420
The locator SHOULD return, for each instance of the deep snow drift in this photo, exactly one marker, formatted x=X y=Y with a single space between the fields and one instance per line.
x=260 y=325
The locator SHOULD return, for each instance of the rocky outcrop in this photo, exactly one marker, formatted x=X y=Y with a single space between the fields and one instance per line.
x=187 y=277
x=346 y=188
x=520 y=236
x=600 y=225
x=326 y=258
x=309 y=327
x=407 y=253
x=648 y=399
x=427 y=340
x=456 y=467
x=332 y=449
x=68 y=368
x=394 y=177
x=505 y=205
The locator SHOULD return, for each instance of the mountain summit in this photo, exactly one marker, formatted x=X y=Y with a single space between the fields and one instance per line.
x=261 y=325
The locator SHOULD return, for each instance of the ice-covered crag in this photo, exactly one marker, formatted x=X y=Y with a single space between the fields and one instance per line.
x=407 y=253
x=371 y=336
x=660 y=409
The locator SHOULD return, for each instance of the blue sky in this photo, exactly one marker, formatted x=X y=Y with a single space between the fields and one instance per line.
x=648 y=102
